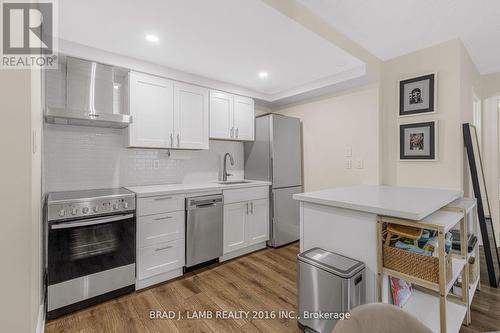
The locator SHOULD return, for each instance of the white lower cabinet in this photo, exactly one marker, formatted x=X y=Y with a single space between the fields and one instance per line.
x=160 y=258
x=235 y=217
x=245 y=224
x=160 y=228
x=258 y=221
x=160 y=239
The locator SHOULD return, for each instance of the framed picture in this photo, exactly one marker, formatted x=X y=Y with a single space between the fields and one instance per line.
x=417 y=95
x=417 y=141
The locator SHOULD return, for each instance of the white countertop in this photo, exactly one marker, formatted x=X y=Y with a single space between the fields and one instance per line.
x=403 y=202
x=153 y=190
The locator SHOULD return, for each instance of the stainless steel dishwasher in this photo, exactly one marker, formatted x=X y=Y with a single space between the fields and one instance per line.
x=204 y=229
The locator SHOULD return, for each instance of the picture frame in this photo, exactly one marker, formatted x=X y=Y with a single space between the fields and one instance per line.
x=417 y=95
x=418 y=141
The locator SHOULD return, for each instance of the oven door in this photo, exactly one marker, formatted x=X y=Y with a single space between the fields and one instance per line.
x=83 y=247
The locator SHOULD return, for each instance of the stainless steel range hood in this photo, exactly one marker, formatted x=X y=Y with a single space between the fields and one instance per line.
x=89 y=97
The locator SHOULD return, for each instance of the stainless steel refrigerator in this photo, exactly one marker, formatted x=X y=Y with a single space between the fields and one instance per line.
x=276 y=156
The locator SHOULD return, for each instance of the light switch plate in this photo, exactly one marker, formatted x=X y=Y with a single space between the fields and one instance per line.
x=348 y=152
x=359 y=164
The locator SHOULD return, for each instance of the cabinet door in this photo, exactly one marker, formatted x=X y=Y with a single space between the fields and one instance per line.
x=258 y=221
x=221 y=115
x=190 y=116
x=235 y=216
x=152 y=110
x=244 y=118
x=160 y=258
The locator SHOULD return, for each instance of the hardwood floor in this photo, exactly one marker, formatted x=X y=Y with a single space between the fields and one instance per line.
x=264 y=281
x=485 y=308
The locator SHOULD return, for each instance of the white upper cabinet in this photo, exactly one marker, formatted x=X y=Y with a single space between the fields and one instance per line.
x=244 y=118
x=190 y=116
x=221 y=115
x=151 y=103
x=232 y=117
x=167 y=114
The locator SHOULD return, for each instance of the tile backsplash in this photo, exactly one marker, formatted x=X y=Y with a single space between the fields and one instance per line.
x=88 y=157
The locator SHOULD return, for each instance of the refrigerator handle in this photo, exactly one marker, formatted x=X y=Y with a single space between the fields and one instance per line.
x=272 y=169
x=272 y=205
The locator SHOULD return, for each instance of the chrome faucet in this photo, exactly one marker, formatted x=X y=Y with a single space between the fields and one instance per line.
x=224 y=171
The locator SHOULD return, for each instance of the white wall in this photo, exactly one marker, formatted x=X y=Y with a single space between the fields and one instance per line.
x=490 y=85
x=447 y=171
x=20 y=201
x=78 y=157
x=490 y=156
x=491 y=146
x=330 y=125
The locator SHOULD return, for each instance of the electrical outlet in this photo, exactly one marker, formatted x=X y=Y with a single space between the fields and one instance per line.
x=348 y=164
x=348 y=152
x=359 y=164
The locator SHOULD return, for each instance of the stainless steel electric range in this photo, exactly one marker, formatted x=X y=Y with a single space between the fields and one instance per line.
x=90 y=248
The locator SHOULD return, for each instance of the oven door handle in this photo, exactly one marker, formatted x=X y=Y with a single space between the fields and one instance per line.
x=87 y=223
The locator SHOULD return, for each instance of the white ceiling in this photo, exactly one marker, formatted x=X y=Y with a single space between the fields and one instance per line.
x=390 y=28
x=225 y=40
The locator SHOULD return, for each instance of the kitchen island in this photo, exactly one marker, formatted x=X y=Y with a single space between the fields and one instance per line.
x=344 y=219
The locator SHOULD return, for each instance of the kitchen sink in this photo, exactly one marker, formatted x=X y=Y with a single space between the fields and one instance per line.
x=231 y=182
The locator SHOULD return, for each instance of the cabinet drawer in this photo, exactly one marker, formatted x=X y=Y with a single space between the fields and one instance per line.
x=246 y=194
x=160 y=258
x=160 y=204
x=160 y=228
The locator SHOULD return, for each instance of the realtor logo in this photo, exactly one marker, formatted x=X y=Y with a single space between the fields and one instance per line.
x=28 y=38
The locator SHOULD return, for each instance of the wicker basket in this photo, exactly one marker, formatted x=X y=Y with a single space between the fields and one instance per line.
x=414 y=264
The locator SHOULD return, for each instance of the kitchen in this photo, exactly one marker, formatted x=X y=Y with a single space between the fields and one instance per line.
x=180 y=226
x=200 y=172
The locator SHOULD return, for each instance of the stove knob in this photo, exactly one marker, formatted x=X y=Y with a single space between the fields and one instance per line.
x=74 y=211
x=96 y=209
x=125 y=205
x=62 y=212
x=115 y=206
x=85 y=210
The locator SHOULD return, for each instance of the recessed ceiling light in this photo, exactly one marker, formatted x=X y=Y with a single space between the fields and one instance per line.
x=152 y=38
x=263 y=75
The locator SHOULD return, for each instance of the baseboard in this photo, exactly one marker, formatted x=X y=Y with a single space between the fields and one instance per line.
x=144 y=283
x=40 y=322
x=240 y=252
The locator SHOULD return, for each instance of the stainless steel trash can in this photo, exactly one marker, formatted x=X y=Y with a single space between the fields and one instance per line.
x=329 y=286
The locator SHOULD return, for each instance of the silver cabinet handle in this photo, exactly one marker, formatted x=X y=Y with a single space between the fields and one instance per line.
x=163 y=248
x=232 y=132
x=178 y=140
x=163 y=218
x=251 y=208
x=237 y=128
x=171 y=139
x=163 y=198
x=247 y=208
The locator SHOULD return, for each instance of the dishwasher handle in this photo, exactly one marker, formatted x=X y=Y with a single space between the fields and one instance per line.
x=206 y=205
x=207 y=201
